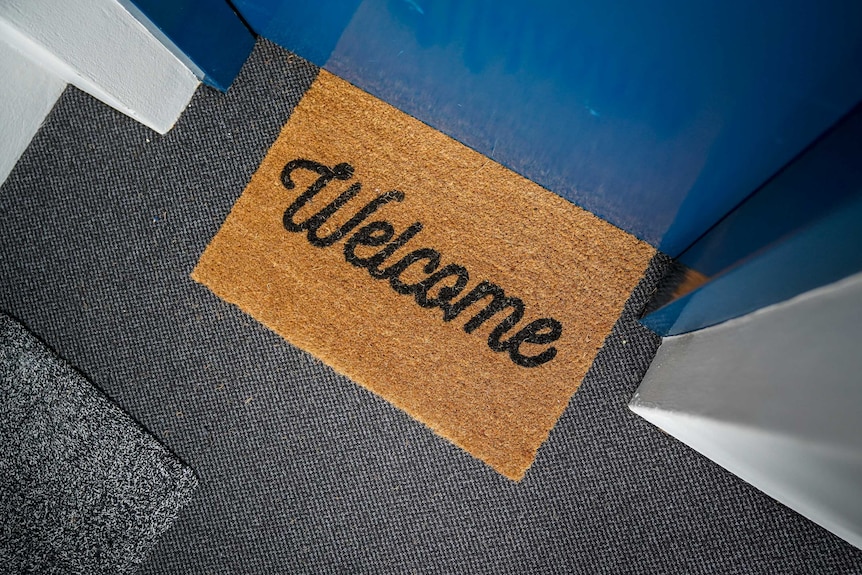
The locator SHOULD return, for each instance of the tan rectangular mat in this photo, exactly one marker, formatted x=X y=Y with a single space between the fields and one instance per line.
x=464 y=294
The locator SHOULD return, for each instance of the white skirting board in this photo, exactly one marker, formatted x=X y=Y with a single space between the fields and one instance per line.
x=774 y=397
x=96 y=45
x=27 y=94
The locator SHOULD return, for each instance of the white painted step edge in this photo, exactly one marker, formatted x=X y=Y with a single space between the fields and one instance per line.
x=99 y=47
x=774 y=397
x=27 y=94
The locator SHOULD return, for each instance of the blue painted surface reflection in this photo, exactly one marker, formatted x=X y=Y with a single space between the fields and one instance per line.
x=208 y=32
x=658 y=116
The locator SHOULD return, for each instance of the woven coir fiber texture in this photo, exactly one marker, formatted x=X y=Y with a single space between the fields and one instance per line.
x=459 y=291
x=83 y=489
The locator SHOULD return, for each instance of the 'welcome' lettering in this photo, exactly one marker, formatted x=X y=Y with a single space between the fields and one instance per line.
x=442 y=285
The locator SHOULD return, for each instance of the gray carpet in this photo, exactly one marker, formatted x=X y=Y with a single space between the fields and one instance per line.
x=82 y=488
x=302 y=471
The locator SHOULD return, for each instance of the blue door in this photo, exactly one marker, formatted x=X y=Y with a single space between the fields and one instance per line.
x=660 y=117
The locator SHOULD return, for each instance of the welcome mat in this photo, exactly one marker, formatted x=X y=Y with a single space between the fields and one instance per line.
x=459 y=291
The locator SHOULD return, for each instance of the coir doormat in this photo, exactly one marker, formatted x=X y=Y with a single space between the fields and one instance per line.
x=464 y=294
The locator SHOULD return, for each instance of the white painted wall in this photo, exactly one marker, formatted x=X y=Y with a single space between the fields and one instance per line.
x=163 y=39
x=102 y=49
x=776 y=398
x=27 y=94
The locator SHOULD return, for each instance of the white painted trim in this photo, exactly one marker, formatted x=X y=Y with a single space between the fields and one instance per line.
x=102 y=49
x=775 y=397
x=130 y=7
x=27 y=94
x=811 y=479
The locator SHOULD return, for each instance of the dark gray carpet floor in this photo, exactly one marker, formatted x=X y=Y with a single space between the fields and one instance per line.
x=302 y=471
x=83 y=489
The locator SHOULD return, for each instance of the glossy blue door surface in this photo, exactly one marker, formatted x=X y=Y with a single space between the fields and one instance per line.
x=208 y=32
x=800 y=231
x=657 y=116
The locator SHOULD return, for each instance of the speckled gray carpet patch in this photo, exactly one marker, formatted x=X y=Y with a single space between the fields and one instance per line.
x=83 y=489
